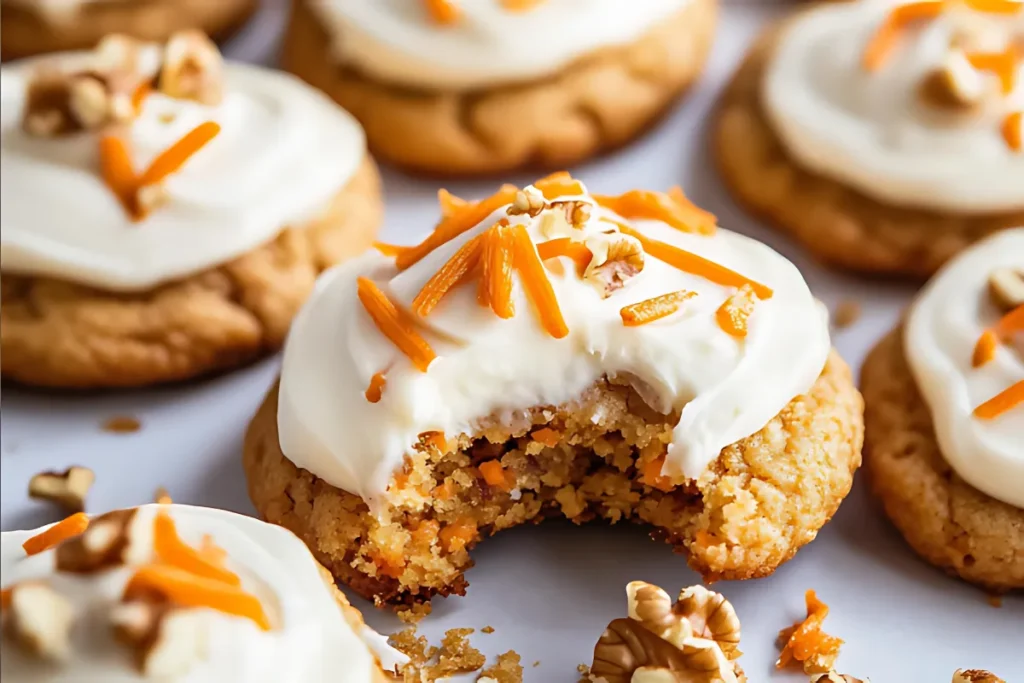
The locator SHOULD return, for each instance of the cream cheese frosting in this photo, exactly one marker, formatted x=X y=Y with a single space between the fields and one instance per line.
x=284 y=150
x=398 y=41
x=309 y=640
x=871 y=130
x=724 y=387
x=942 y=329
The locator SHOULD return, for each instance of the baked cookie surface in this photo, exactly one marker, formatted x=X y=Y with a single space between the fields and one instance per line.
x=838 y=224
x=599 y=102
x=29 y=29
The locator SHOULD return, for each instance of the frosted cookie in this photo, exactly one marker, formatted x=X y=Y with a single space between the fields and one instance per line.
x=164 y=214
x=549 y=351
x=484 y=86
x=32 y=27
x=174 y=593
x=945 y=419
x=886 y=138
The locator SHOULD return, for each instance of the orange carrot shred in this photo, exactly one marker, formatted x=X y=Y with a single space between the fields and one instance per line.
x=672 y=208
x=436 y=440
x=1011 y=322
x=559 y=184
x=450 y=204
x=139 y=96
x=985 y=349
x=988 y=343
x=376 y=388
x=1002 y=64
x=212 y=552
x=389 y=249
x=520 y=5
x=5 y=597
x=734 y=312
x=395 y=324
x=496 y=279
x=494 y=474
x=536 y=284
x=173 y=551
x=443 y=11
x=451 y=274
x=1013 y=128
x=116 y=170
x=805 y=639
x=882 y=43
x=69 y=527
x=1002 y=402
x=689 y=262
x=655 y=308
x=652 y=475
x=175 y=156
x=565 y=246
x=190 y=590
x=452 y=226
x=996 y=6
x=547 y=436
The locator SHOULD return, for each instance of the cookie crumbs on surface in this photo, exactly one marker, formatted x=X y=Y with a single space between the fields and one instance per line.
x=536 y=664
x=506 y=670
x=847 y=313
x=584 y=672
x=121 y=424
x=417 y=648
x=415 y=613
x=994 y=600
x=68 y=489
x=487 y=629
x=975 y=676
x=455 y=656
x=805 y=642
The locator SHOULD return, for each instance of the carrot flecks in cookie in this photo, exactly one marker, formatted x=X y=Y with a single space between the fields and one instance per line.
x=672 y=208
x=67 y=528
x=1013 y=130
x=889 y=32
x=536 y=283
x=564 y=246
x=494 y=474
x=1001 y=403
x=655 y=308
x=395 y=324
x=451 y=274
x=443 y=11
x=734 y=312
x=375 y=390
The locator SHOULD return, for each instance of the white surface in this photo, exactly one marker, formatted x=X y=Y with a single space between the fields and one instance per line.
x=550 y=590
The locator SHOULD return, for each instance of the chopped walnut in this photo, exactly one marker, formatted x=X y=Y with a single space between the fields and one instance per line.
x=834 y=677
x=576 y=212
x=38 y=619
x=975 y=676
x=698 y=613
x=167 y=641
x=67 y=489
x=48 y=105
x=529 y=202
x=626 y=647
x=955 y=87
x=111 y=540
x=117 y=52
x=617 y=258
x=1006 y=287
x=192 y=69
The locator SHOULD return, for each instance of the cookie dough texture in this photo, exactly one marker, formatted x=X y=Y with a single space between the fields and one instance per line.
x=836 y=223
x=947 y=521
x=25 y=32
x=59 y=334
x=764 y=498
x=598 y=103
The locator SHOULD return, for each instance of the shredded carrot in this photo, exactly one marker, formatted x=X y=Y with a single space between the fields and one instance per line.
x=985 y=349
x=996 y=6
x=494 y=474
x=689 y=262
x=389 y=249
x=652 y=475
x=1001 y=402
x=565 y=246
x=175 y=156
x=443 y=11
x=1011 y=322
x=395 y=324
x=445 y=491
x=453 y=272
x=212 y=552
x=495 y=288
x=547 y=436
x=672 y=208
x=5 y=597
x=450 y=204
x=559 y=184
x=655 y=308
x=190 y=590
x=520 y=5
x=1002 y=64
x=806 y=639
x=454 y=225
x=69 y=527
x=882 y=43
x=171 y=550
x=376 y=387
x=734 y=312
x=116 y=170
x=139 y=96
x=458 y=534
x=536 y=284
x=1013 y=128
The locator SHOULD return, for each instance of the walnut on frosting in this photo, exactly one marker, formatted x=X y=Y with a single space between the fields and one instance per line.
x=617 y=258
x=166 y=640
x=577 y=213
x=192 y=69
x=528 y=202
x=955 y=87
x=38 y=619
x=1006 y=287
x=108 y=542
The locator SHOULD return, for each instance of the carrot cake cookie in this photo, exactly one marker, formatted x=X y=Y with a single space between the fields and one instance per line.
x=174 y=593
x=884 y=137
x=550 y=351
x=484 y=86
x=944 y=447
x=32 y=27
x=165 y=214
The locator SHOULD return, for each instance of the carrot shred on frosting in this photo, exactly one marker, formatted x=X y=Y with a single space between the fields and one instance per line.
x=117 y=172
x=697 y=265
x=655 y=308
x=1002 y=64
x=559 y=184
x=672 y=208
x=189 y=590
x=988 y=342
x=392 y=250
x=1013 y=129
x=985 y=349
x=495 y=288
x=139 y=96
x=443 y=11
x=449 y=203
x=175 y=156
x=884 y=40
x=454 y=225
x=69 y=527
x=376 y=387
x=536 y=283
x=395 y=324
x=734 y=312
x=520 y=5
x=453 y=272
x=171 y=550
x=996 y=6
x=565 y=246
x=1002 y=402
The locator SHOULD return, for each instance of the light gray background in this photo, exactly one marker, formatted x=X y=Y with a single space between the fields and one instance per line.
x=549 y=591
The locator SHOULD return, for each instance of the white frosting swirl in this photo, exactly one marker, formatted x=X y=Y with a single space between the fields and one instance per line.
x=727 y=389
x=870 y=130
x=283 y=152
x=398 y=41
x=942 y=329
x=310 y=641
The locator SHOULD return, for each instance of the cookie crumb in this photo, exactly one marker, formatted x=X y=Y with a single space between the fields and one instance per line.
x=415 y=613
x=536 y=664
x=846 y=314
x=584 y=672
x=994 y=600
x=121 y=424
x=506 y=670
x=455 y=656
x=487 y=629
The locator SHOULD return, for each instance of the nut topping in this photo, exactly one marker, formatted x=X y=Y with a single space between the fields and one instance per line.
x=833 y=677
x=1006 y=286
x=527 y=202
x=617 y=259
x=39 y=620
x=117 y=52
x=712 y=617
x=975 y=676
x=110 y=541
x=192 y=69
x=68 y=488
x=167 y=641
x=577 y=213
x=955 y=87
x=626 y=647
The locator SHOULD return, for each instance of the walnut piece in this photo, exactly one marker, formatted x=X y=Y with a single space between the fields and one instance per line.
x=626 y=647
x=975 y=676
x=617 y=259
x=528 y=202
x=1006 y=287
x=834 y=677
x=167 y=641
x=193 y=68
x=955 y=87
x=111 y=540
x=67 y=489
x=576 y=212
x=48 y=105
x=117 y=52
x=712 y=617
x=39 y=620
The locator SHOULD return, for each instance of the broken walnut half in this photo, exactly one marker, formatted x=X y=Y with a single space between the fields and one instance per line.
x=955 y=87
x=109 y=541
x=166 y=640
x=38 y=619
x=617 y=258
x=1006 y=287
x=67 y=489
x=193 y=69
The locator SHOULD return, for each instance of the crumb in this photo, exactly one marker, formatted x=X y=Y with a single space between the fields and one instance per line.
x=506 y=670
x=584 y=672
x=455 y=656
x=416 y=648
x=994 y=600
x=536 y=664
x=487 y=629
x=121 y=424
x=846 y=314
x=161 y=496
x=415 y=613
